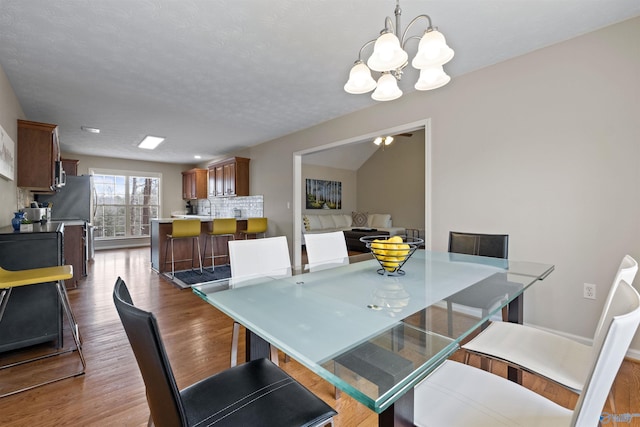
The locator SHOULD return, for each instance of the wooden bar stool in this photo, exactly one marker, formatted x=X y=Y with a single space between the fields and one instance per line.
x=255 y=226
x=183 y=229
x=220 y=227
x=58 y=274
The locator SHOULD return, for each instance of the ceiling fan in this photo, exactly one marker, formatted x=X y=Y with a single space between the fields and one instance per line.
x=386 y=140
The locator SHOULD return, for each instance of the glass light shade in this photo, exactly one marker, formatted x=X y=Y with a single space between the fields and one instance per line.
x=360 y=80
x=432 y=78
x=387 y=54
x=387 y=89
x=380 y=139
x=432 y=50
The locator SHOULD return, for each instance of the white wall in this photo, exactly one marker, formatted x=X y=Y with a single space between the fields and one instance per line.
x=10 y=112
x=543 y=147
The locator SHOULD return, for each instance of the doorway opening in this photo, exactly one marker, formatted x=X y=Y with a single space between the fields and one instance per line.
x=298 y=184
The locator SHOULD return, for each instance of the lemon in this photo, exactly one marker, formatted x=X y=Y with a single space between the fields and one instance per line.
x=402 y=251
x=391 y=266
x=395 y=239
x=379 y=252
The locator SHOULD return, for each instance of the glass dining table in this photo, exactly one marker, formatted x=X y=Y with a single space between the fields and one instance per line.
x=375 y=336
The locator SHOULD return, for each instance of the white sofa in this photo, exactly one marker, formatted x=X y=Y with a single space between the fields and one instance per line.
x=324 y=223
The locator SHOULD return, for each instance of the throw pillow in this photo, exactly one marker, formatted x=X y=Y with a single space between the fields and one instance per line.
x=359 y=219
x=327 y=222
x=314 y=223
x=379 y=220
x=305 y=222
x=342 y=221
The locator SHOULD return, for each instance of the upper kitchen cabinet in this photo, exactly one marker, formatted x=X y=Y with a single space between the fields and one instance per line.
x=229 y=177
x=70 y=166
x=38 y=152
x=194 y=184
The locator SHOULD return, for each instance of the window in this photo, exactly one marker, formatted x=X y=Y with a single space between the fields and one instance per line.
x=125 y=203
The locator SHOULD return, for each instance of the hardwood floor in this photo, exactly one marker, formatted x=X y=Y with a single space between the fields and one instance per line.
x=197 y=338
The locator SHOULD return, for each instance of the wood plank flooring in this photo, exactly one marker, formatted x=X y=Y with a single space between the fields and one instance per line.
x=197 y=338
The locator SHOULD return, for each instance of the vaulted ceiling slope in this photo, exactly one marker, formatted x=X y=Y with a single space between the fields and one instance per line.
x=217 y=76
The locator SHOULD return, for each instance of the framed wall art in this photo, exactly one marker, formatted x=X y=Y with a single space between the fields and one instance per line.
x=322 y=194
x=7 y=155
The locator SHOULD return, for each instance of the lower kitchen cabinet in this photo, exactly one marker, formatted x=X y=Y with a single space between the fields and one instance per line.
x=74 y=253
x=33 y=314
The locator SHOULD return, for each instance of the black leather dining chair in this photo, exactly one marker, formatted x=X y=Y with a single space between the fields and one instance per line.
x=257 y=393
x=489 y=245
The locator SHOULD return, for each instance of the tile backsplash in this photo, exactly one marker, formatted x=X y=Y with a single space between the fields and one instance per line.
x=224 y=207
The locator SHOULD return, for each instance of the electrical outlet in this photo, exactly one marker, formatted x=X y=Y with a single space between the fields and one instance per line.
x=589 y=291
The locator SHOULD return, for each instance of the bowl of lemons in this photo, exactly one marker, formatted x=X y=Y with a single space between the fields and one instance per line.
x=392 y=252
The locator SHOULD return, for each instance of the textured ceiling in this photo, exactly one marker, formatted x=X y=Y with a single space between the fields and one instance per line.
x=217 y=76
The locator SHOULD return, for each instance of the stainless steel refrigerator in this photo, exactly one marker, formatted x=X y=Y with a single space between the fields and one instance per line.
x=74 y=201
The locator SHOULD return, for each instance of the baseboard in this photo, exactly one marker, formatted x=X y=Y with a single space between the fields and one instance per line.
x=121 y=243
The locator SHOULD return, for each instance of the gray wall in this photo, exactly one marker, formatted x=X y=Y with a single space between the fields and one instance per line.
x=543 y=147
x=385 y=183
x=349 y=187
x=10 y=112
x=388 y=183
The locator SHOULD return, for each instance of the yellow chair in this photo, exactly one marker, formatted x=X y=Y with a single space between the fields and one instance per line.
x=58 y=274
x=183 y=229
x=255 y=226
x=220 y=227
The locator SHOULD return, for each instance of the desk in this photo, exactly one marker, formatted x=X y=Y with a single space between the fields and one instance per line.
x=347 y=323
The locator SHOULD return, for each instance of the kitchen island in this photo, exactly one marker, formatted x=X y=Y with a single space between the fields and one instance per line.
x=33 y=314
x=182 y=247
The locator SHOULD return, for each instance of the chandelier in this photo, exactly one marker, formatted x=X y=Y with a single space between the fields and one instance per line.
x=389 y=58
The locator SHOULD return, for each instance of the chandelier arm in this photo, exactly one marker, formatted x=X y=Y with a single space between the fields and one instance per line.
x=388 y=26
x=369 y=43
x=413 y=21
x=411 y=38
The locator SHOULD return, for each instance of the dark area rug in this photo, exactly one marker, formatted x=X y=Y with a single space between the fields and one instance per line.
x=188 y=278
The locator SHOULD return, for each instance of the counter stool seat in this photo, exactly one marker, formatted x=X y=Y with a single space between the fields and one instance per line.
x=220 y=227
x=255 y=226
x=10 y=279
x=183 y=229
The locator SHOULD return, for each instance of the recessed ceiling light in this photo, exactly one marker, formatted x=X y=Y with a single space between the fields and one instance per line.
x=197 y=156
x=90 y=129
x=150 y=142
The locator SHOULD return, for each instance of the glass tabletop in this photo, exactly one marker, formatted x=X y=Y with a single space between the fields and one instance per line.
x=374 y=335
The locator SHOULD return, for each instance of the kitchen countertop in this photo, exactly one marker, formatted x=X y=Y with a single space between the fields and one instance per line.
x=70 y=222
x=203 y=218
x=48 y=227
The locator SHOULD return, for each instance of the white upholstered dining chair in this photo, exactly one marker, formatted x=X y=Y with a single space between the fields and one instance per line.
x=557 y=358
x=459 y=395
x=326 y=250
x=252 y=259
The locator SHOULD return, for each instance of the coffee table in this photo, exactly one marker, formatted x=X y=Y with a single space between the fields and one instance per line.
x=353 y=238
